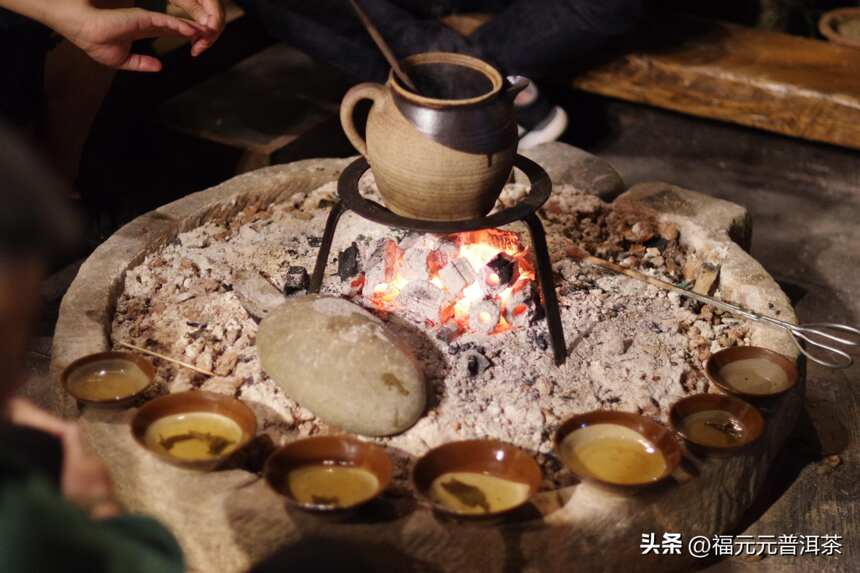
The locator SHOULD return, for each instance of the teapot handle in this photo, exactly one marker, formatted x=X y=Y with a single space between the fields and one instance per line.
x=372 y=91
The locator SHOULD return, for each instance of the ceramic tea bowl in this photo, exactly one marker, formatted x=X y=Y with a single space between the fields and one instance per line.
x=215 y=424
x=716 y=424
x=616 y=451
x=108 y=378
x=751 y=372
x=453 y=478
x=355 y=460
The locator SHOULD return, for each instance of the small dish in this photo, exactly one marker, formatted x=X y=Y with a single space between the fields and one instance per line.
x=751 y=372
x=833 y=24
x=195 y=429
x=328 y=474
x=716 y=424
x=476 y=479
x=618 y=451
x=108 y=378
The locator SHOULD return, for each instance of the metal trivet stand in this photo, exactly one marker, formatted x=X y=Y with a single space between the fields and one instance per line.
x=525 y=210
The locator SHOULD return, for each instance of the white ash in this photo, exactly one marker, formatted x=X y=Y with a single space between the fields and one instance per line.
x=631 y=346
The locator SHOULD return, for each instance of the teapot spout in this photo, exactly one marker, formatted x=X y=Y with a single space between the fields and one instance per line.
x=515 y=84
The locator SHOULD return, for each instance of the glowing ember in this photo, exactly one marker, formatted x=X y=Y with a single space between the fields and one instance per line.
x=483 y=273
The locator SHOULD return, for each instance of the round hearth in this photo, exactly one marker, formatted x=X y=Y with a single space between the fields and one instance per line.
x=227 y=520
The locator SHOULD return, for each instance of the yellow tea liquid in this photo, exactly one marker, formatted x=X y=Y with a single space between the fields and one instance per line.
x=614 y=454
x=331 y=485
x=713 y=428
x=476 y=493
x=111 y=379
x=195 y=436
x=754 y=376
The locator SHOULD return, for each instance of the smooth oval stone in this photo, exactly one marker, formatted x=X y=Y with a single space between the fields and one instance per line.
x=343 y=364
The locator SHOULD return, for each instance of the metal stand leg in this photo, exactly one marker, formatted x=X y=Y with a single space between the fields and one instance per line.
x=325 y=248
x=547 y=286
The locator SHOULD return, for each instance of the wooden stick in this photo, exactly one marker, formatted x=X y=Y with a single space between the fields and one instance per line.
x=168 y=358
x=383 y=46
x=582 y=255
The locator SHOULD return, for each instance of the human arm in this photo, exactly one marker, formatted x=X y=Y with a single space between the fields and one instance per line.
x=106 y=35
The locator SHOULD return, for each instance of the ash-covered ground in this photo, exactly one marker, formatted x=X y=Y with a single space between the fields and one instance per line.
x=631 y=346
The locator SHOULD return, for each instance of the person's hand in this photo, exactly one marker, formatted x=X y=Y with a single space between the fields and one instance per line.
x=106 y=35
x=86 y=481
x=207 y=13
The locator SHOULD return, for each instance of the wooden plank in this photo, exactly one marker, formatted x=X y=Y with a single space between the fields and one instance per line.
x=777 y=82
x=261 y=104
x=772 y=81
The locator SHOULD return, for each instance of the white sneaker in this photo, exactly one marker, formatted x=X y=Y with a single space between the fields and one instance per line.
x=538 y=120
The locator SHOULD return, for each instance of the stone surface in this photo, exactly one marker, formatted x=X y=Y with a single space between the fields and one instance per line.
x=342 y=363
x=226 y=521
x=258 y=296
x=571 y=165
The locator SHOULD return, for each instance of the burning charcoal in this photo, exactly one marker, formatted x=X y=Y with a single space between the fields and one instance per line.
x=457 y=275
x=519 y=307
x=498 y=273
x=347 y=262
x=297 y=280
x=382 y=266
x=374 y=277
x=421 y=300
x=477 y=363
x=417 y=241
x=414 y=265
x=448 y=248
x=373 y=253
x=483 y=316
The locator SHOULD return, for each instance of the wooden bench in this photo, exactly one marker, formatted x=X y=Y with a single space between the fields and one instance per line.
x=786 y=84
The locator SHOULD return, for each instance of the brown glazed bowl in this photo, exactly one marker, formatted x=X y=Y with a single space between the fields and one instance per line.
x=831 y=26
x=443 y=155
x=344 y=450
x=493 y=457
x=746 y=414
x=194 y=401
x=92 y=361
x=727 y=356
x=657 y=434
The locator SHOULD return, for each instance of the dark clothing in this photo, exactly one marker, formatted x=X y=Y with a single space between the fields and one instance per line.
x=41 y=531
x=25 y=44
x=526 y=37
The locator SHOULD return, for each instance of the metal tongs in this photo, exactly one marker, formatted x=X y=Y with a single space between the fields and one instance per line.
x=823 y=336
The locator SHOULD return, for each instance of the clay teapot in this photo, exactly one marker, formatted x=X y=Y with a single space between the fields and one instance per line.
x=443 y=155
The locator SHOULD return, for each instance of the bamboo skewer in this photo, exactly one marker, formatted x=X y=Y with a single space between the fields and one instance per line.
x=168 y=359
x=383 y=46
x=582 y=255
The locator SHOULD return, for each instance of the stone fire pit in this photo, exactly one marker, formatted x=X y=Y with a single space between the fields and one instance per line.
x=175 y=279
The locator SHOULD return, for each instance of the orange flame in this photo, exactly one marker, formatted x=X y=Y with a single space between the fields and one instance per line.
x=477 y=247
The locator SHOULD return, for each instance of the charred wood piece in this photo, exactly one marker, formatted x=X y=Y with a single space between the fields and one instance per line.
x=297 y=280
x=348 y=262
x=498 y=274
